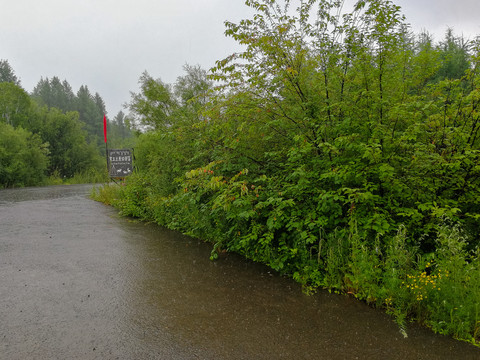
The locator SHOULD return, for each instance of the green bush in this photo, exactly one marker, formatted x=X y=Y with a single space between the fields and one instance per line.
x=23 y=157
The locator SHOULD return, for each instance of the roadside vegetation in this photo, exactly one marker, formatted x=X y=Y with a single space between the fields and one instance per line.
x=340 y=150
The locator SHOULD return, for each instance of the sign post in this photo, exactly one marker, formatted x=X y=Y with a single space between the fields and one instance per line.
x=120 y=163
x=105 y=139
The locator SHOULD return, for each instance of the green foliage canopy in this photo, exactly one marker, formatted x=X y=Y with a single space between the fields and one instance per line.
x=23 y=157
x=7 y=74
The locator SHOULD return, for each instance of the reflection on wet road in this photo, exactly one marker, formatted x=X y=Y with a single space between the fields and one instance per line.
x=79 y=282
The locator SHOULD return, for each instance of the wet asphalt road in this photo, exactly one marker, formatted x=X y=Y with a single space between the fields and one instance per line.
x=79 y=282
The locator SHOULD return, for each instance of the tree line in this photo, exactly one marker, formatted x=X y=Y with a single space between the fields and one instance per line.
x=53 y=133
x=338 y=148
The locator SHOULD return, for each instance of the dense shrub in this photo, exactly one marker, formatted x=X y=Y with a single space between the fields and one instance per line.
x=23 y=157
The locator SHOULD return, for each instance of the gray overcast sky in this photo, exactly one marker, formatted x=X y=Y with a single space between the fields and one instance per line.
x=107 y=44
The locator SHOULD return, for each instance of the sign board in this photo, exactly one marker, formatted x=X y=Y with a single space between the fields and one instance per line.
x=120 y=162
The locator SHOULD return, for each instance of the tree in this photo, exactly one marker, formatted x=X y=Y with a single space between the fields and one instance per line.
x=120 y=119
x=154 y=107
x=69 y=151
x=100 y=104
x=54 y=93
x=23 y=157
x=192 y=93
x=160 y=106
x=7 y=74
x=14 y=104
x=119 y=133
x=91 y=110
x=59 y=94
x=454 y=55
x=425 y=63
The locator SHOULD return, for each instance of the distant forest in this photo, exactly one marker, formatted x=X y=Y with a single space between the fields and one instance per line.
x=53 y=134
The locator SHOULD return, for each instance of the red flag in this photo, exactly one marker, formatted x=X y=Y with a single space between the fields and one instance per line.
x=105 y=128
